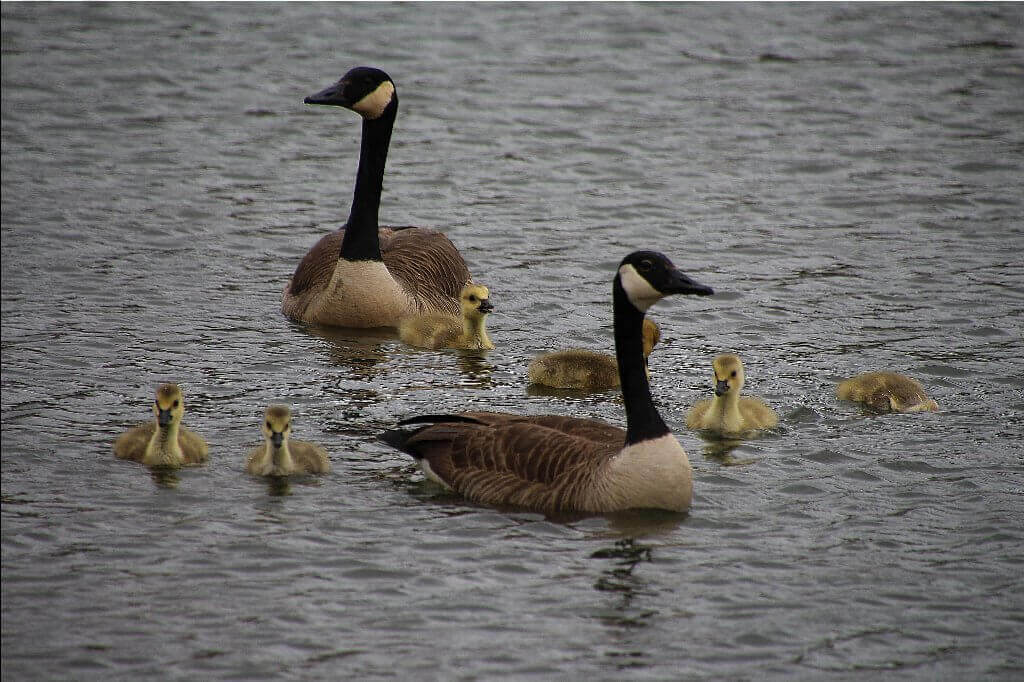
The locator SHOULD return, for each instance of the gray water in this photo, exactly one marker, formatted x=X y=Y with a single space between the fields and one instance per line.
x=847 y=177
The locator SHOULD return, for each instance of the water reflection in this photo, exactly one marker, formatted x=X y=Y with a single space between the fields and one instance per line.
x=475 y=369
x=364 y=352
x=720 y=450
x=278 y=486
x=626 y=555
x=165 y=477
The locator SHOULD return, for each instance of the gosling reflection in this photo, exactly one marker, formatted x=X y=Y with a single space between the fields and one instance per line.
x=278 y=486
x=475 y=369
x=721 y=451
x=165 y=477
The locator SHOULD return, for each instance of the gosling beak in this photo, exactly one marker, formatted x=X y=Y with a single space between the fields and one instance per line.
x=276 y=437
x=485 y=305
x=163 y=417
x=721 y=387
x=333 y=95
x=679 y=283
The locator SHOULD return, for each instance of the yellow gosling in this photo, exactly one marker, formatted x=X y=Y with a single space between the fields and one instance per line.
x=728 y=412
x=437 y=330
x=279 y=456
x=887 y=392
x=163 y=442
x=587 y=370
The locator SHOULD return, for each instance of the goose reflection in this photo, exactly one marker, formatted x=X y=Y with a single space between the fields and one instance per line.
x=363 y=351
x=626 y=555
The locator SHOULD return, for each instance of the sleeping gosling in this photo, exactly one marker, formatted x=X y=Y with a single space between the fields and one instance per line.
x=887 y=392
x=163 y=442
x=587 y=370
x=437 y=330
x=279 y=456
x=727 y=412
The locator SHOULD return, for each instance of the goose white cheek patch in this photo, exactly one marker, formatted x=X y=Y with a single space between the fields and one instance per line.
x=374 y=104
x=639 y=291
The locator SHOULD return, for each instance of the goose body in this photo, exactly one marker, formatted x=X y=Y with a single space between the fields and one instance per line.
x=281 y=456
x=887 y=392
x=729 y=412
x=437 y=330
x=555 y=463
x=581 y=369
x=163 y=442
x=364 y=275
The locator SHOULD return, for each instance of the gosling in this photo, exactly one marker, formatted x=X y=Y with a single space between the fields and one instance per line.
x=281 y=457
x=163 y=442
x=437 y=330
x=727 y=412
x=887 y=392
x=586 y=370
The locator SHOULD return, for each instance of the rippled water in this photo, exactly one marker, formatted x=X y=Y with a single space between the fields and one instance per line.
x=847 y=177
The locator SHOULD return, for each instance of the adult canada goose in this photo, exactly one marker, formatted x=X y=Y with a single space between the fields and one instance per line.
x=437 y=330
x=280 y=456
x=554 y=463
x=887 y=392
x=728 y=412
x=585 y=369
x=163 y=442
x=363 y=275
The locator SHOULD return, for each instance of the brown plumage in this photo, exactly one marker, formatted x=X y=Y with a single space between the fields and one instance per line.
x=281 y=456
x=887 y=392
x=163 y=442
x=581 y=369
x=729 y=412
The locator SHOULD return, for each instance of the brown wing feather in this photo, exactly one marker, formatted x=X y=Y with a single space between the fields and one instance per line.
x=132 y=444
x=309 y=457
x=427 y=265
x=545 y=462
x=193 y=447
x=316 y=267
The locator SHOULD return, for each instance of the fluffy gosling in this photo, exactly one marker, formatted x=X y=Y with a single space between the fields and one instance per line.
x=727 y=412
x=163 y=442
x=437 y=330
x=279 y=456
x=587 y=370
x=887 y=392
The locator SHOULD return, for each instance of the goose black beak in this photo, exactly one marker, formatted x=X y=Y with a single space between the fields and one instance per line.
x=678 y=283
x=276 y=437
x=485 y=306
x=163 y=417
x=721 y=387
x=332 y=95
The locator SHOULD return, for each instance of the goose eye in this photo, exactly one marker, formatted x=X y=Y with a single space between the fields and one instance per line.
x=644 y=265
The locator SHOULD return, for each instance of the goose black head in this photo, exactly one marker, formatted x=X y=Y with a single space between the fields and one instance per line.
x=648 y=276
x=364 y=89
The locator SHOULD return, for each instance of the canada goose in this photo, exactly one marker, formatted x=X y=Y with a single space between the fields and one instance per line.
x=554 y=463
x=363 y=275
x=887 y=391
x=280 y=456
x=163 y=442
x=585 y=369
x=727 y=412
x=437 y=330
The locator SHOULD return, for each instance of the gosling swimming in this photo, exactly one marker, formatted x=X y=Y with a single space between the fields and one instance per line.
x=279 y=456
x=887 y=392
x=587 y=370
x=727 y=412
x=437 y=330
x=163 y=442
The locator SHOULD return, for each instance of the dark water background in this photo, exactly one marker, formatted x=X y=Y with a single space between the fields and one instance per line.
x=847 y=177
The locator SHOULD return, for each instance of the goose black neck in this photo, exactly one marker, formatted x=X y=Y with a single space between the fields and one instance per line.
x=642 y=419
x=361 y=241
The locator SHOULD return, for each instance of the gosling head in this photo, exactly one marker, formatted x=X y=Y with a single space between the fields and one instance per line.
x=277 y=423
x=652 y=335
x=365 y=90
x=728 y=374
x=475 y=301
x=648 y=276
x=169 y=405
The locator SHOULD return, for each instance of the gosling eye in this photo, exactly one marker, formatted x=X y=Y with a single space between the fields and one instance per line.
x=472 y=298
x=175 y=404
x=269 y=426
x=733 y=373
